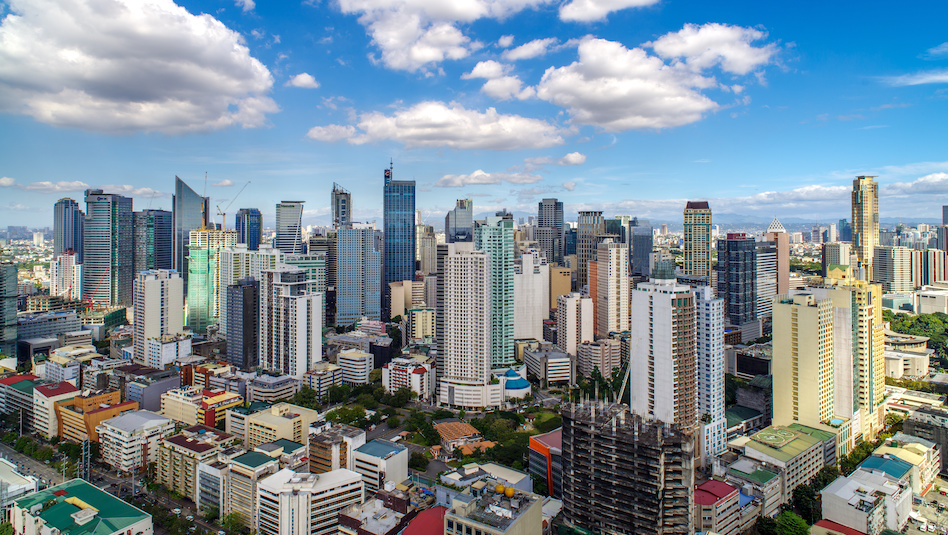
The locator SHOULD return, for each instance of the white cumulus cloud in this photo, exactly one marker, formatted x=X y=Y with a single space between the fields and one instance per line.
x=56 y=187
x=937 y=76
x=134 y=191
x=499 y=85
x=533 y=49
x=127 y=66
x=934 y=183
x=6 y=181
x=573 y=158
x=224 y=183
x=505 y=41
x=437 y=124
x=304 y=80
x=702 y=47
x=245 y=5
x=590 y=10
x=480 y=177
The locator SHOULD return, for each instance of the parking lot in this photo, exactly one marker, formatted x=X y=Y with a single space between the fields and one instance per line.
x=936 y=513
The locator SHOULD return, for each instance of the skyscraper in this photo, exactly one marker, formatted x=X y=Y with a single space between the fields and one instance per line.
x=152 y=240
x=289 y=227
x=737 y=277
x=326 y=245
x=495 y=237
x=865 y=207
x=67 y=227
x=780 y=238
x=107 y=248
x=551 y=231
x=65 y=276
x=766 y=279
x=590 y=225
x=612 y=278
x=944 y=215
x=467 y=349
x=358 y=275
x=189 y=212
x=459 y=223
x=249 y=227
x=238 y=263
x=697 y=239
x=159 y=298
x=892 y=268
x=641 y=247
x=711 y=362
x=531 y=283
x=664 y=386
x=574 y=322
x=399 y=228
x=242 y=302
x=341 y=206
x=8 y=299
x=291 y=322
x=204 y=289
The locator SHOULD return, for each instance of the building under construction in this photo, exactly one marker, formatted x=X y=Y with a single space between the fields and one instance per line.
x=625 y=475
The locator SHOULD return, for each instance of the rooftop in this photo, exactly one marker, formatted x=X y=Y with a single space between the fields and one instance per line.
x=552 y=440
x=737 y=414
x=7 y=381
x=134 y=421
x=73 y=498
x=56 y=389
x=818 y=434
x=427 y=522
x=833 y=527
x=889 y=464
x=335 y=434
x=495 y=509
x=712 y=491
x=453 y=430
x=781 y=443
x=380 y=448
x=253 y=459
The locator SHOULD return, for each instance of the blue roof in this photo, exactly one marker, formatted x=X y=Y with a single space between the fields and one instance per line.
x=380 y=448
x=517 y=384
x=511 y=373
x=744 y=499
x=893 y=466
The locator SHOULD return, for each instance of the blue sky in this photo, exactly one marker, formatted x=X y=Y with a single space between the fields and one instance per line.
x=629 y=106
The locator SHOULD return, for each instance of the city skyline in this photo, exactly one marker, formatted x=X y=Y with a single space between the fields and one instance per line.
x=503 y=102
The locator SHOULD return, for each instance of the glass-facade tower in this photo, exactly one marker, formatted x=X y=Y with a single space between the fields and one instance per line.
x=107 y=248
x=67 y=228
x=495 y=237
x=152 y=237
x=249 y=228
x=459 y=223
x=399 y=227
x=289 y=221
x=190 y=212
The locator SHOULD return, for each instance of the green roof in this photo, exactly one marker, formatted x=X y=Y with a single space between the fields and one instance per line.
x=253 y=459
x=762 y=381
x=25 y=386
x=818 y=434
x=737 y=414
x=288 y=445
x=759 y=476
x=781 y=443
x=112 y=514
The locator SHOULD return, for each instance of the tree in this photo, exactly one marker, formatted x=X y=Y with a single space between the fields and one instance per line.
x=375 y=376
x=418 y=461
x=765 y=525
x=211 y=514
x=6 y=529
x=789 y=523
x=232 y=522
x=824 y=477
x=804 y=501
x=393 y=422
x=367 y=401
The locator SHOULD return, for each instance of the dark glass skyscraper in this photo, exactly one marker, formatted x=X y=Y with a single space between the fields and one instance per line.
x=67 y=227
x=737 y=277
x=243 y=323
x=550 y=231
x=249 y=228
x=190 y=212
x=107 y=248
x=641 y=247
x=459 y=223
x=399 y=215
x=152 y=236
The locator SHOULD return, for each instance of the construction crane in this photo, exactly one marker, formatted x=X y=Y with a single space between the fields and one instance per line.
x=223 y=213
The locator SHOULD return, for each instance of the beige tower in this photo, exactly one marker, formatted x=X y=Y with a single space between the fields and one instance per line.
x=865 y=223
x=612 y=280
x=697 y=239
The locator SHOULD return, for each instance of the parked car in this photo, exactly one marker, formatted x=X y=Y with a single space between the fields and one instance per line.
x=176 y=511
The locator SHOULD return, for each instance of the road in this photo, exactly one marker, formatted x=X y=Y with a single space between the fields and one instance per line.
x=31 y=466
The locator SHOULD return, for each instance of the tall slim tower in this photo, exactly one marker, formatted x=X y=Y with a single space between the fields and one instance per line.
x=159 y=298
x=341 y=205
x=242 y=302
x=642 y=242
x=590 y=225
x=249 y=225
x=737 y=277
x=107 y=248
x=67 y=227
x=612 y=277
x=709 y=352
x=289 y=223
x=551 y=230
x=574 y=322
x=865 y=223
x=291 y=322
x=495 y=237
x=459 y=223
x=8 y=299
x=204 y=290
x=697 y=240
x=189 y=212
x=152 y=237
x=399 y=222
x=358 y=275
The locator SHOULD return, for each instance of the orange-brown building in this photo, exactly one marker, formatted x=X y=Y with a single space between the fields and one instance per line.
x=79 y=416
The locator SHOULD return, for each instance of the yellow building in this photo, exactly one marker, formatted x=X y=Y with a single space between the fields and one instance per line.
x=214 y=406
x=280 y=421
x=421 y=323
x=803 y=359
x=192 y=405
x=78 y=417
x=922 y=454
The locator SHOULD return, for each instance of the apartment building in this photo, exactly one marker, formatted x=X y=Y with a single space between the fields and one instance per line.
x=129 y=442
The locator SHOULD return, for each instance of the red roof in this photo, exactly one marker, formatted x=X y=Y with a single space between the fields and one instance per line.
x=420 y=370
x=60 y=493
x=17 y=378
x=838 y=528
x=712 y=491
x=56 y=389
x=553 y=439
x=428 y=522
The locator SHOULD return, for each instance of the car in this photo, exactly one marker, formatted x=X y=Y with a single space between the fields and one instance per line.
x=221 y=532
x=190 y=518
x=176 y=511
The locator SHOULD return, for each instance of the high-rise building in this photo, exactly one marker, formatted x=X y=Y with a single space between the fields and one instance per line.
x=696 y=245
x=341 y=206
x=765 y=284
x=590 y=226
x=107 y=248
x=152 y=240
x=711 y=362
x=249 y=225
x=778 y=235
x=459 y=223
x=358 y=275
x=737 y=277
x=835 y=254
x=291 y=322
x=159 y=299
x=68 y=220
x=399 y=229
x=427 y=250
x=892 y=268
x=467 y=349
x=239 y=262
x=326 y=245
x=623 y=473
x=8 y=299
x=289 y=227
x=641 y=247
x=664 y=386
x=612 y=280
x=944 y=215
x=865 y=207
x=291 y=503
x=65 y=276
x=531 y=283
x=574 y=322
x=844 y=231
x=204 y=289
x=928 y=267
x=495 y=237
x=550 y=232
x=242 y=302
x=189 y=212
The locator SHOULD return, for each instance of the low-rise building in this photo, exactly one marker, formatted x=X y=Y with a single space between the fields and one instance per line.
x=289 y=454
x=899 y=364
x=471 y=474
x=755 y=480
x=796 y=455
x=179 y=455
x=603 y=354
x=272 y=388
x=235 y=418
x=929 y=423
x=411 y=374
x=14 y=483
x=78 y=417
x=455 y=433
x=356 y=366
x=282 y=420
x=499 y=510
x=129 y=442
x=191 y=405
x=380 y=462
x=387 y=514
x=240 y=484
x=545 y=456
x=923 y=455
x=16 y=396
x=77 y=508
x=162 y=351
x=550 y=365
x=867 y=501
x=717 y=508
x=321 y=376
x=291 y=503
x=45 y=397
x=332 y=448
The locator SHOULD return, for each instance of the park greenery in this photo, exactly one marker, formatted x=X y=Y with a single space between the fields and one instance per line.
x=934 y=326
